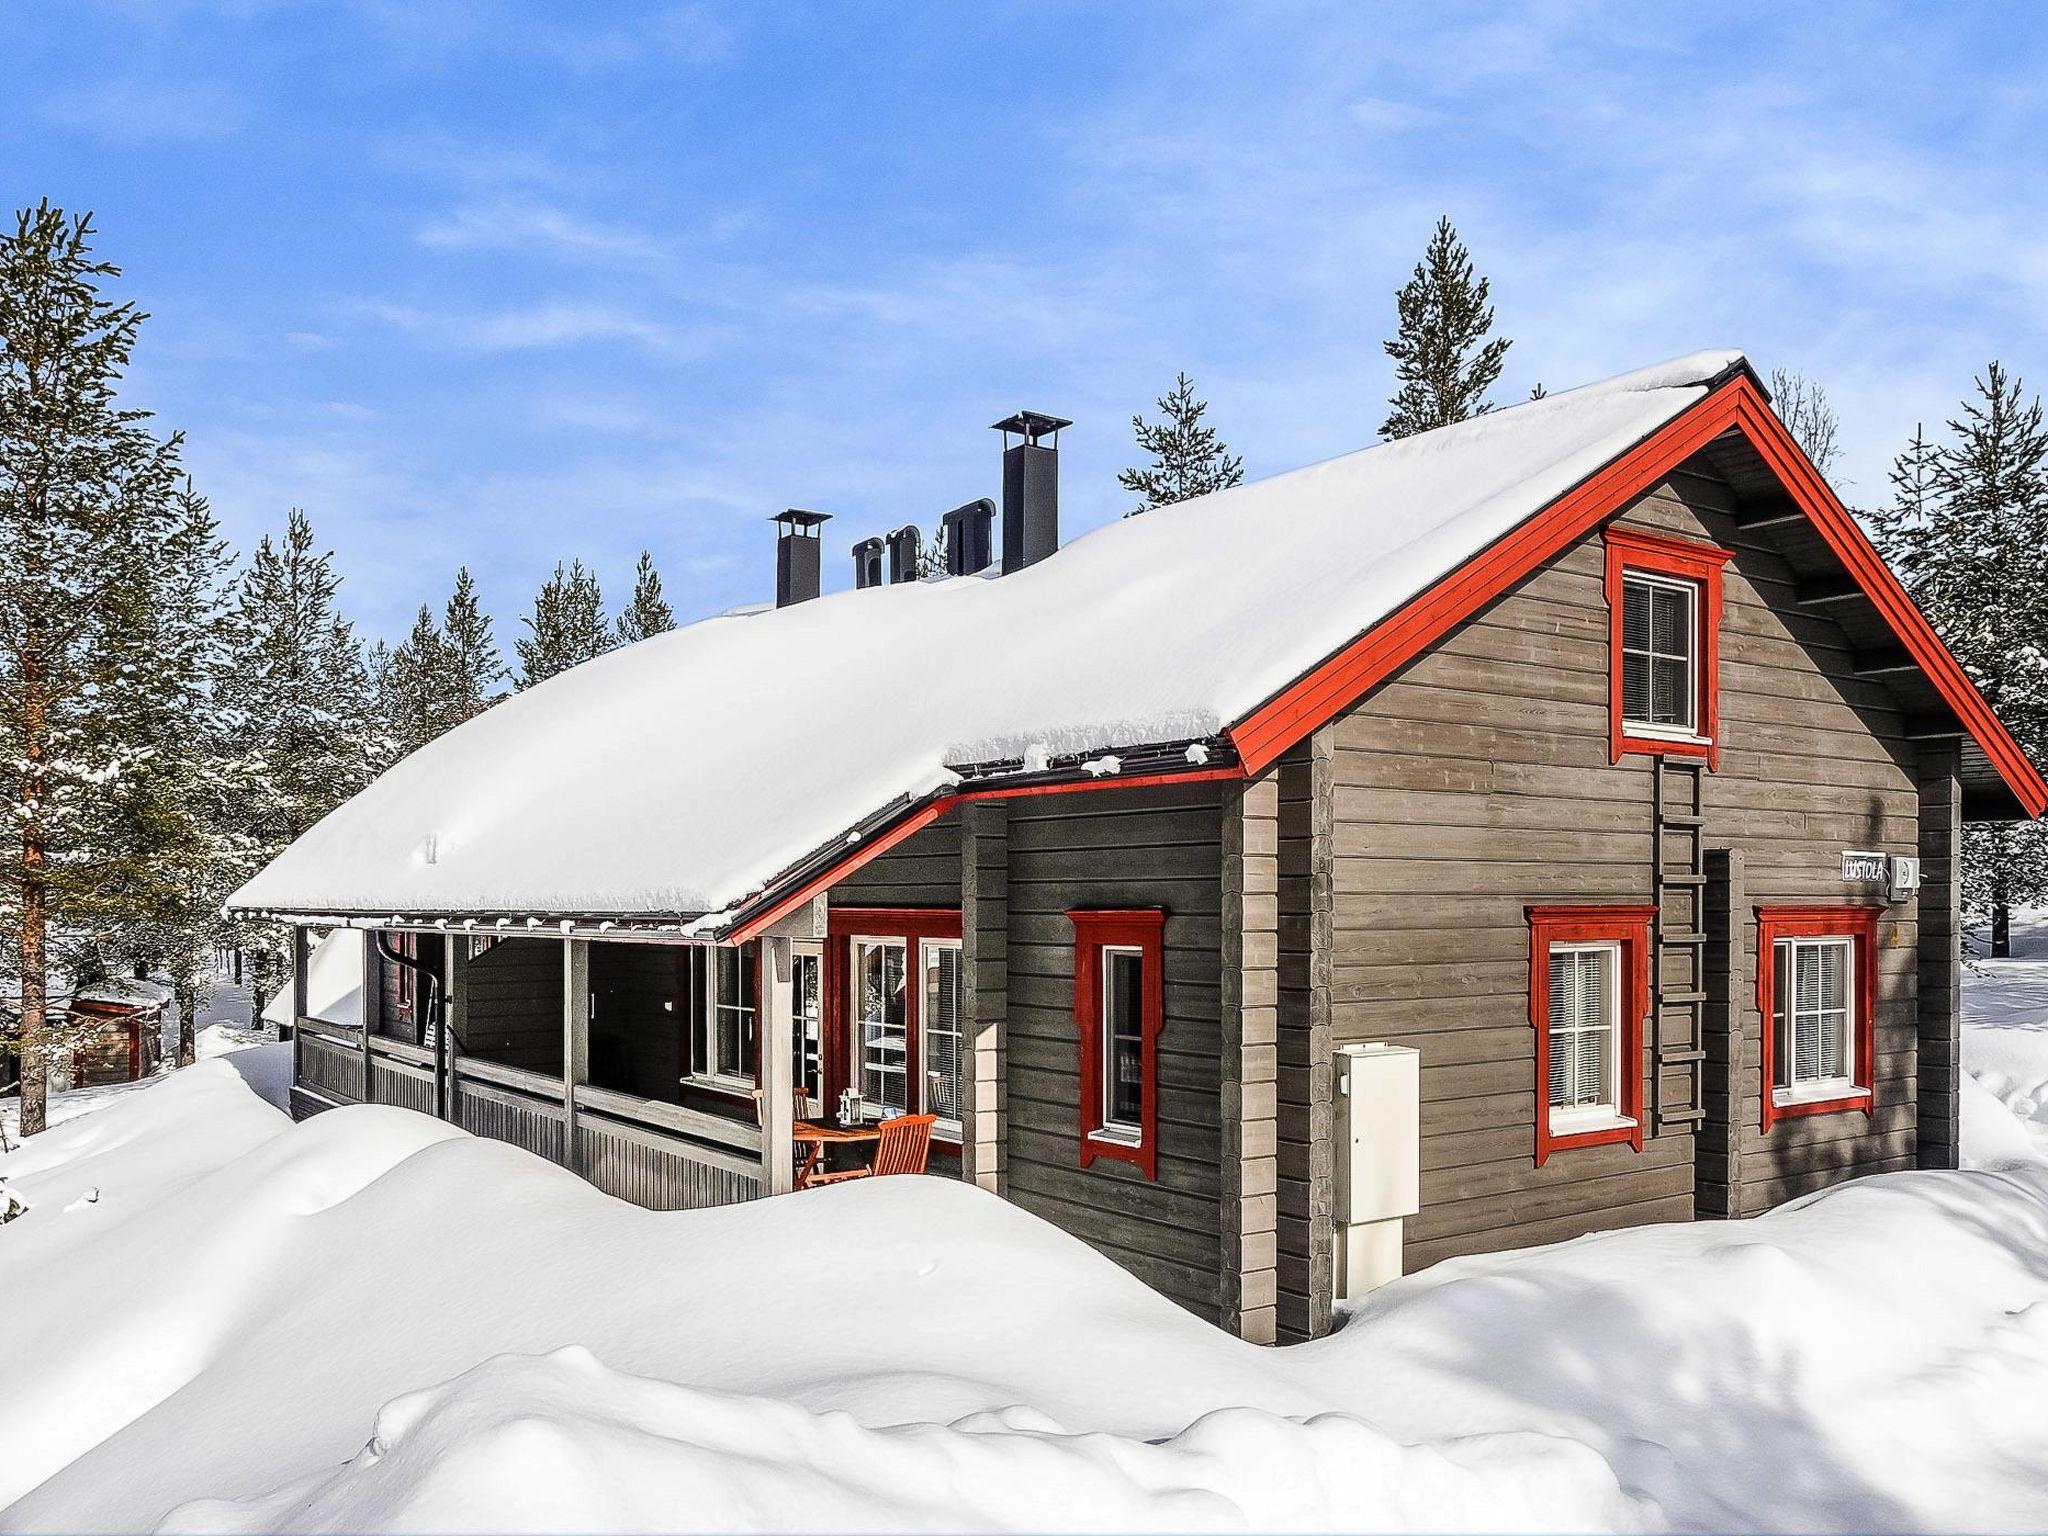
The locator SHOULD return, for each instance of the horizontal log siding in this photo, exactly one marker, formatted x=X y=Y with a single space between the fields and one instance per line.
x=1121 y=848
x=514 y=1006
x=1477 y=782
x=921 y=871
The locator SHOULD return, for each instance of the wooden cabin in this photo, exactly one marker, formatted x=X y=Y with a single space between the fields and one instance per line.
x=1584 y=757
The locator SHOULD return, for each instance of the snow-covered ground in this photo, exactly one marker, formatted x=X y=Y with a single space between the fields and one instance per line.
x=372 y=1321
x=2005 y=1051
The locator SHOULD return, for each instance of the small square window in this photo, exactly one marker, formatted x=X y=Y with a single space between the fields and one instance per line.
x=1814 y=988
x=1589 y=990
x=1664 y=618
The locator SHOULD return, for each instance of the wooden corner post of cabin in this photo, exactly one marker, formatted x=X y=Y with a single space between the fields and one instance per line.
x=1939 y=1065
x=777 y=1064
x=1250 y=1017
x=575 y=1042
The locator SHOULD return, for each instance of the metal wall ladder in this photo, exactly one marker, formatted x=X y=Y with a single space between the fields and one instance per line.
x=1678 y=948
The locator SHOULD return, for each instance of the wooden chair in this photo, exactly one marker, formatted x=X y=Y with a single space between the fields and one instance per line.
x=811 y=1155
x=904 y=1146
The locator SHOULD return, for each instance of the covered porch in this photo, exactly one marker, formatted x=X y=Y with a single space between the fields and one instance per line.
x=673 y=1074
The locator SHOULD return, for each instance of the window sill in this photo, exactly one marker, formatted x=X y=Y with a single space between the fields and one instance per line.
x=734 y=1087
x=1633 y=740
x=1826 y=1099
x=1565 y=1126
x=1108 y=1137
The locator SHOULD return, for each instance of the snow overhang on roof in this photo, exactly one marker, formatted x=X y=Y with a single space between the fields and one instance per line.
x=704 y=780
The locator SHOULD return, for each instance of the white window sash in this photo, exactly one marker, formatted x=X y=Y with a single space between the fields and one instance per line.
x=926 y=949
x=1109 y=1128
x=1689 y=728
x=1842 y=1084
x=1605 y=1112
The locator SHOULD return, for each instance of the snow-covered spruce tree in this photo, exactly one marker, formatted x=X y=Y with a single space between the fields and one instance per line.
x=648 y=612
x=1188 y=459
x=1804 y=408
x=296 y=710
x=1967 y=531
x=414 y=687
x=1443 y=362
x=102 y=565
x=566 y=627
x=475 y=668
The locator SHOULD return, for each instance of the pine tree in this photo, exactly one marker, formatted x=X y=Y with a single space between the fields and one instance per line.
x=1967 y=531
x=1443 y=362
x=474 y=667
x=648 y=613
x=1804 y=408
x=105 y=560
x=296 y=709
x=1188 y=459
x=566 y=627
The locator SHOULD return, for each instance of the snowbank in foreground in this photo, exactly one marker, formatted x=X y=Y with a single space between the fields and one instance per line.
x=372 y=1321
x=361 y=1322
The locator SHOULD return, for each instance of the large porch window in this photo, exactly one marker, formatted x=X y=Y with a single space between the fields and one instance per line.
x=893 y=982
x=722 y=995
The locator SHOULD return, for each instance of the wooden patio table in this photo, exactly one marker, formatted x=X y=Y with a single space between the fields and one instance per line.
x=826 y=1137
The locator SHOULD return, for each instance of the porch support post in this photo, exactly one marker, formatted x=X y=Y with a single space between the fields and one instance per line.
x=778 y=1068
x=575 y=1041
x=301 y=953
x=985 y=970
x=454 y=1019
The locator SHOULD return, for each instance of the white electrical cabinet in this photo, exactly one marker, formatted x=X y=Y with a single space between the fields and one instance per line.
x=1379 y=1100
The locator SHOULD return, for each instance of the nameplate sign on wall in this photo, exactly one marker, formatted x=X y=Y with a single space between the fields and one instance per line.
x=1864 y=866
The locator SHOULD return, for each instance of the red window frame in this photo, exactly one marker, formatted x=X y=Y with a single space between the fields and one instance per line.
x=1699 y=565
x=1628 y=927
x=1857 y=924
x=912 y=925
x=1142 y=929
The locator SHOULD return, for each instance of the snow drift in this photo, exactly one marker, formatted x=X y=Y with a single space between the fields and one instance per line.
x=372 y=1321
x=679 y=775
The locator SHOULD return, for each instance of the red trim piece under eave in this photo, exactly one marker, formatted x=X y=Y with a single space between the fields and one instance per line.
x=1738 y=405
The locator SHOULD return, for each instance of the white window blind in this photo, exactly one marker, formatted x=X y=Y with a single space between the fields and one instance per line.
x=1658 y=643
x=1585 y=1020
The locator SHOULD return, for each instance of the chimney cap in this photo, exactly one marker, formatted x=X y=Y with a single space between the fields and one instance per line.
x=968 y=511
x=1031 y=425
x=797 y=517
x=867 y=544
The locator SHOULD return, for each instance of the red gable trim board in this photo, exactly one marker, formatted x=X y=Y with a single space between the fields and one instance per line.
x=1319 y=696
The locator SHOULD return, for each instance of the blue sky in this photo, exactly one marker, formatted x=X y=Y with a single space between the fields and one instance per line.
x=502 y=283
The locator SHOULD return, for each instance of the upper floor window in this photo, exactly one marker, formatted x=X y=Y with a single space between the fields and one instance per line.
x=1589 y=988
x=1664 y=602
x=1817 y=993
x=1119 y=1008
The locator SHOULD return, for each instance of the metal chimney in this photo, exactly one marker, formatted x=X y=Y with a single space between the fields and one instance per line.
x=867 y=563
x=1031 y=488
x=796 y=554
x=969 y=533
x=903 y=544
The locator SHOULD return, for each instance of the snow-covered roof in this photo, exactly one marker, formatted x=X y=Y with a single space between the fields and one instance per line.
x=683 y=774
x=334 y=982
x=125 y=992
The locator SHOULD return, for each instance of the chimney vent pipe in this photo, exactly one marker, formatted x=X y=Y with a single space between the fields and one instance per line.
x=796 y=554
x=903 y=546
x=1031 y=487
x=969 y=535
x=867 y=563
